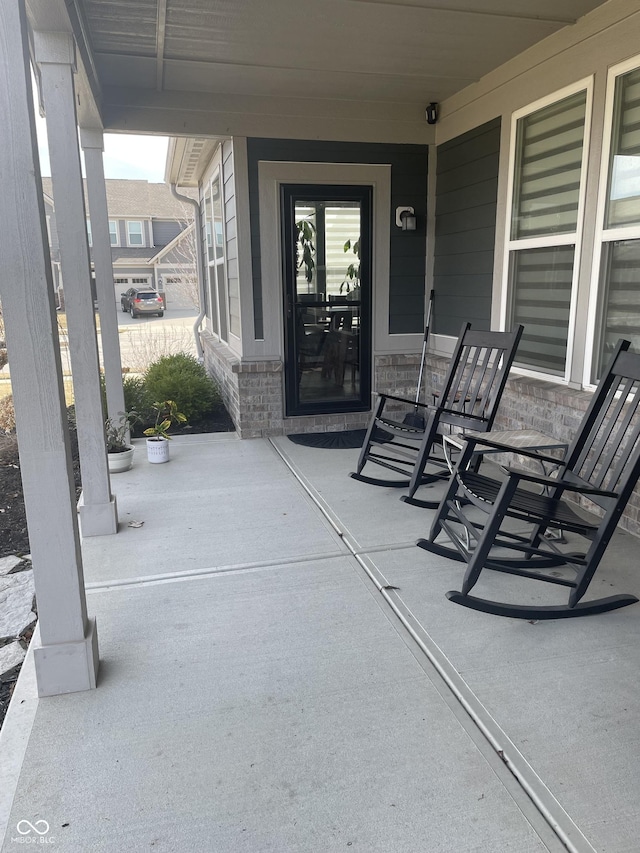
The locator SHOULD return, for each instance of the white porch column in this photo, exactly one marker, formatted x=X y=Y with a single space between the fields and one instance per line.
x=55 y=55
x=66 y=655
x=93 y=145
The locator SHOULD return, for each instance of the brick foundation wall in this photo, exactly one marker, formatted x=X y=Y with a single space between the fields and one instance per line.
x=253 y=394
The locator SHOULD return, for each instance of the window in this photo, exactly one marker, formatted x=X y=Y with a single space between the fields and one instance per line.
x=618 y=266
x=210 y=295
x=135 y=234
x=225 y=309
x=113 y=232
x=89 y=235
x=544 y=223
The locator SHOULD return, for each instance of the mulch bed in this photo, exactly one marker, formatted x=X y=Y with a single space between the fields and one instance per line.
x=217 y=420
x=14 y=538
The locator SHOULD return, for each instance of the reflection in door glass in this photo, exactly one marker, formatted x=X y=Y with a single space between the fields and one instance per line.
x=327 y=301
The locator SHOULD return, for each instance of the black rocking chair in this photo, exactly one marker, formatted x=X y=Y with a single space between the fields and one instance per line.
x=468 y=400
x=602 y=465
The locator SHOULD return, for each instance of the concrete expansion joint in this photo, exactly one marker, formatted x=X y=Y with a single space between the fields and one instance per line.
x=546 y=815
x=212 y=571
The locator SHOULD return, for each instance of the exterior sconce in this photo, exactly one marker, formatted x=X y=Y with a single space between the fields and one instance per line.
x=406 y=218
x=432 y=113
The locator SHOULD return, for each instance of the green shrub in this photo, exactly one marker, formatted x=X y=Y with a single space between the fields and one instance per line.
x=182 y=378
x=136 y=398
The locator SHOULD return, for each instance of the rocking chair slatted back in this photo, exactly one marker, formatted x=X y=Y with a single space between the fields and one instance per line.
x=466 y=388
x=468 y=399
x=605 y=450
x=477 y=376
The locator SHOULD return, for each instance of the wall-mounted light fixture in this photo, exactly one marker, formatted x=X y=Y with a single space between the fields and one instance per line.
x=406 y=218
x=432 y=113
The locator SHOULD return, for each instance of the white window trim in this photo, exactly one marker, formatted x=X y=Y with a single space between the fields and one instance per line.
x=213 y=264
x=142 y=234
x=117 y=243
x=573 y=238
x=602 y=234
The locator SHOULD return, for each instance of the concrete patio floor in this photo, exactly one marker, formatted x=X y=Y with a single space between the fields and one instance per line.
x=261 y=690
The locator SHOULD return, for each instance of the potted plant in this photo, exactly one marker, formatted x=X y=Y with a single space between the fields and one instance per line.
x=306 y=250
x=351 y=283
x=157 y=436
x=119 y=451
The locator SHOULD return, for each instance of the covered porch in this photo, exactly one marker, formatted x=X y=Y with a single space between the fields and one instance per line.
x=280 y=670
x=259 y=114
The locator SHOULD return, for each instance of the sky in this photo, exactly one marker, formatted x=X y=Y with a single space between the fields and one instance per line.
x=125 y=156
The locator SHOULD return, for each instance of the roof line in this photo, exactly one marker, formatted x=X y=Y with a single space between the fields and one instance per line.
x=173 y=243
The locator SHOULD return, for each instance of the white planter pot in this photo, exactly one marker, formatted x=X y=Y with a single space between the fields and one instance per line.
x=120 y=461
x=157 y=450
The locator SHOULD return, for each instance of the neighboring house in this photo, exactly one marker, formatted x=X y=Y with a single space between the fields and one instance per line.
x=151 y=235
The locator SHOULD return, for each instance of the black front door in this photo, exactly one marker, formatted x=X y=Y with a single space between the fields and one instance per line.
x=327 y=272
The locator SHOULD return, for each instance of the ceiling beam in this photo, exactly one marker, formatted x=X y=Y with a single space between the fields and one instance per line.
x=561 y=20
x=160 y=36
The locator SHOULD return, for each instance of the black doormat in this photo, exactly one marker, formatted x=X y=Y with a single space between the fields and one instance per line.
x=347 y=439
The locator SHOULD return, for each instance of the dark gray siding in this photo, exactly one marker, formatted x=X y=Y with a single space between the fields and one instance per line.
x=466 y=194
x=408 y=187
x=164 y=231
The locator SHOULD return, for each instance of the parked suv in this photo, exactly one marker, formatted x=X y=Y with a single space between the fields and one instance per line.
x=142 y=302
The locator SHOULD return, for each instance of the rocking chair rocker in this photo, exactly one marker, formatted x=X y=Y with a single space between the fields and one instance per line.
x=602 y=465
x=468 y=400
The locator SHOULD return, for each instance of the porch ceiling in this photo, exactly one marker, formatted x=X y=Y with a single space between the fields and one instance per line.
x=390 y=52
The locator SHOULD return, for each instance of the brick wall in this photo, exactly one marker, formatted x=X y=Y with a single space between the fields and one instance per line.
x=253 y=394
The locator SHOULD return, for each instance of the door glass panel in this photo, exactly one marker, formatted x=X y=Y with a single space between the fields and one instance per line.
x=327 y=369
x=327 y=302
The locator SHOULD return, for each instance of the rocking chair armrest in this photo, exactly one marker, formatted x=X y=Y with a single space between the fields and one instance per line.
x=509 y=448
x=463 y=415
x=552 y=482
x=407 y=400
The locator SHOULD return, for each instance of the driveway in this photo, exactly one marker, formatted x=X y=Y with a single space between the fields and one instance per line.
x=144 y=339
